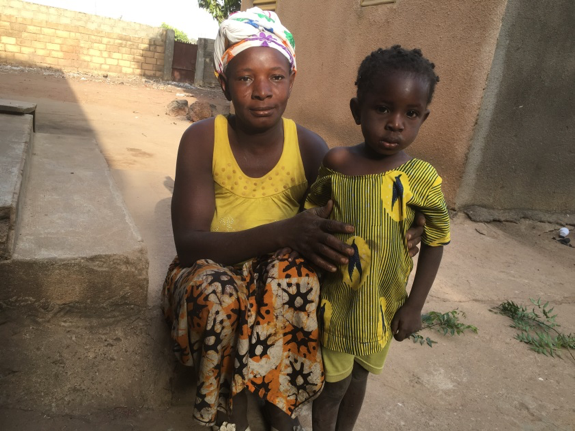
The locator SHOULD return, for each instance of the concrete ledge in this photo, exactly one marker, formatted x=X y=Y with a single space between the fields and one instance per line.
x=93 y=281
x=77 y=244
x=15 y=143
x=16 y=107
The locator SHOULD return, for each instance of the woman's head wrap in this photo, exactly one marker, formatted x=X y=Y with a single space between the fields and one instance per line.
x=248 y=29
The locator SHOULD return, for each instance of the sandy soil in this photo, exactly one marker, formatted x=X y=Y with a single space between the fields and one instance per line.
x=477 y=381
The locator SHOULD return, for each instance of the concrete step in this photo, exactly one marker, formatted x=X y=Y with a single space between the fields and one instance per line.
x=15 y=143
x=17 y=107
x=77 y=335
x=76 y=243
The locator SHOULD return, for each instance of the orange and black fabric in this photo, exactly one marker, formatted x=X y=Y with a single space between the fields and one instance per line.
x=246 y=327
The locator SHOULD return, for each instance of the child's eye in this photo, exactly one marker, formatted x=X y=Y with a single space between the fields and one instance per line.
x=412 y=114
x=382 y=109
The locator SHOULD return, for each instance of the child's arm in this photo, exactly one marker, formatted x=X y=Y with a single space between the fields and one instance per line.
x=407 y=319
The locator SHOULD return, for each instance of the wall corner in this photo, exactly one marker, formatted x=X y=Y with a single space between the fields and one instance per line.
x=168 y=54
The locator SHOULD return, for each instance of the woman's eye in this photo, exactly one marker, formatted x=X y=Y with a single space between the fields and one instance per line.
x=277 y=77
x=244 y=78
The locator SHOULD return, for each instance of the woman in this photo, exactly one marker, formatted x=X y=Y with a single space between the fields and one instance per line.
x=242 y=318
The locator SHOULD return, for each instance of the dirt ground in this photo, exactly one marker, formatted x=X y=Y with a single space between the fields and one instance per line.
x=483 y=381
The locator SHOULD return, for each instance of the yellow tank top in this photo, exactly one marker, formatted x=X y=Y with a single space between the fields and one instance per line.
x=243 y=202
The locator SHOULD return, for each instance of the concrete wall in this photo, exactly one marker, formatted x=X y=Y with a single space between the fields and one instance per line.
x=205 y=76
x=523 y=158
x=333 y=36
x=36 y=35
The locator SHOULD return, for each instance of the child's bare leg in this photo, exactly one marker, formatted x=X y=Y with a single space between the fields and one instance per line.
x=352 y=401
x=239 y=411
x=325 y=407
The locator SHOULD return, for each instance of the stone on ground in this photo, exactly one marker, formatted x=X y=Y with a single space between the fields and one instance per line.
x=199 y=111
x=177 y=108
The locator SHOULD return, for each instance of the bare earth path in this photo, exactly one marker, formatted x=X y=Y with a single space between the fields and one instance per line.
x=484 y=381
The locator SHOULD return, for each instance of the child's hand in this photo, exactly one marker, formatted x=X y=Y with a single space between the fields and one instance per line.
x=406 y=321
x=286 y=250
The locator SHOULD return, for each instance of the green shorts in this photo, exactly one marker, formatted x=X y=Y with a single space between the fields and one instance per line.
x=337 y=365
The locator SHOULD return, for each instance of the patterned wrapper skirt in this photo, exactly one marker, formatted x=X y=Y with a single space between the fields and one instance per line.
x=251 y=327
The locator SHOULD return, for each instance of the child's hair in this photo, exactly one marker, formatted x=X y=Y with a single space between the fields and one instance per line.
x=395 y=58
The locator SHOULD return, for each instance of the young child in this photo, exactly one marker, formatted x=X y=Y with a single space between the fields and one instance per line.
x=377 y=187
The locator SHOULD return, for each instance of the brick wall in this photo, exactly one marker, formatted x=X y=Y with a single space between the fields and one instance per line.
x=36 y=35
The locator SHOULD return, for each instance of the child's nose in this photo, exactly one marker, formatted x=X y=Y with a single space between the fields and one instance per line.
x=395 y=123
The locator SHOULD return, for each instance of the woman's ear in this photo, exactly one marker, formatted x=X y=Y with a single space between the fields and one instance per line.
x=355 y=110
x=291 y=81
x=224 y=85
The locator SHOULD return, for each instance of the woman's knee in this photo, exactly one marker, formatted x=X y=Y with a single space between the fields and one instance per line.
x=283 y=267
x=211 y=278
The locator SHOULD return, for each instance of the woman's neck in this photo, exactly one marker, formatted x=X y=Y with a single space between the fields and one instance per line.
x=256 y=152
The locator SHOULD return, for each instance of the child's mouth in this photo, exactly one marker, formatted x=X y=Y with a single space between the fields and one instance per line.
x=389 y=145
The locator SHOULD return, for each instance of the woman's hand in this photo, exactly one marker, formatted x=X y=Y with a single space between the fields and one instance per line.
x=310 y=234
x=291 y=254
x=414 y=233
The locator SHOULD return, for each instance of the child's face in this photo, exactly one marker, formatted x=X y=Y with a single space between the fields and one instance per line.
x=392 y=111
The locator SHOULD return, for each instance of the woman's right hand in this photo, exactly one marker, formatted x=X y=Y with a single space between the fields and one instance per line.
x=311 y=234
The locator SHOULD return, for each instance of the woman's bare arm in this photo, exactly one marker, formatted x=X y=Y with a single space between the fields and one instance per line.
x=193 y=206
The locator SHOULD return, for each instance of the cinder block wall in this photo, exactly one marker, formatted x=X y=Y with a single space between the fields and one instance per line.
x=36 y=35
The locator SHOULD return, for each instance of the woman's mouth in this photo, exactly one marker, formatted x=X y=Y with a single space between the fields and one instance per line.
x=263 y=111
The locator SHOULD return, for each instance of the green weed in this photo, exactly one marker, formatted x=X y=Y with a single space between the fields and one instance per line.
x=444 y=323
x=537 y=327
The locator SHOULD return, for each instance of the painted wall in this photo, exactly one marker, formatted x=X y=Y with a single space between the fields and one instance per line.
x=333 y=36
x=522 y=161
x=37 y=35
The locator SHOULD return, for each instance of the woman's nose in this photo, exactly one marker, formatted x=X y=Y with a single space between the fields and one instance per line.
x=261 y=89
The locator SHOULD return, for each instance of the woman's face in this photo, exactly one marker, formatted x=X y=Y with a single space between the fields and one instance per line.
x=258 y=81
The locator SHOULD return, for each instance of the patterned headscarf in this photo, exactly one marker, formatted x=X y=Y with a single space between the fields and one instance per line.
x=248 y=29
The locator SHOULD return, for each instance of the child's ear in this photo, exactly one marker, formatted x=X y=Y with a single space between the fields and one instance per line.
x=224 y=84
x=426 y=115
x=355 y=110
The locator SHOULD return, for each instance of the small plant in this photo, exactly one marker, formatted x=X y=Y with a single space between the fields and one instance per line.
x=444 y=323
x=179 y=35
x=537 y=327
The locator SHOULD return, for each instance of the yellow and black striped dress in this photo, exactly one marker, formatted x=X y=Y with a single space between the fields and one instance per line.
x=359 y=301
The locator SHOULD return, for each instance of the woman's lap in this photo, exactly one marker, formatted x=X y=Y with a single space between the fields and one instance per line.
x=251 y=327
